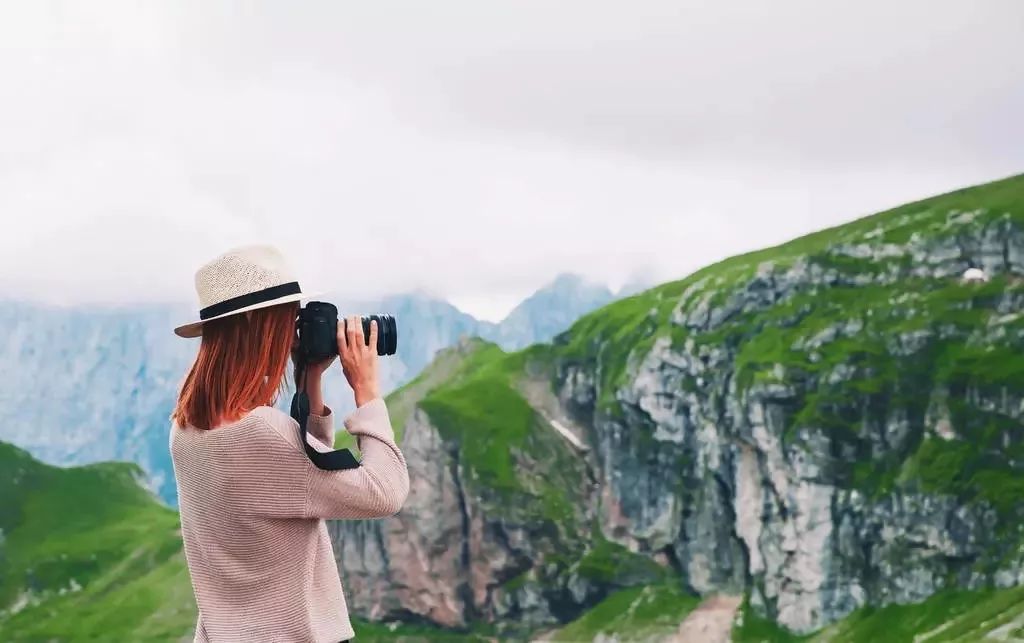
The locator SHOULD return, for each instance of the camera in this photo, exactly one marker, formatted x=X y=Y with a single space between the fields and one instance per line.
x=317 y=328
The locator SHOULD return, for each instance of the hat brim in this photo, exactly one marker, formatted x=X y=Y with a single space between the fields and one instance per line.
x=195 y=329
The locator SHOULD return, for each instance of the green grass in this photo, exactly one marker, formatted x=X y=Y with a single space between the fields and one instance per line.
x=92 y=527
x=448 y=366
x=950 y=616
x=610 y=563
x=510 y=458
x=752 y=628
x=371 y=632
x=489 y=420
x=633 y=614
x=606 y=339
x=946 y=617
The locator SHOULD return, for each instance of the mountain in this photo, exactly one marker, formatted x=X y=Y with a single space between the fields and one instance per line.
x=93 y=383
x=547 y=312
x=820 y=428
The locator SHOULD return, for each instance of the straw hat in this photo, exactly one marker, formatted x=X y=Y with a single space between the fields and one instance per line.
x=242 y=279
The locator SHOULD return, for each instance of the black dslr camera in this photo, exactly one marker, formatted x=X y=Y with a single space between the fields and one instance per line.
x=317 y=335
x=317 y=329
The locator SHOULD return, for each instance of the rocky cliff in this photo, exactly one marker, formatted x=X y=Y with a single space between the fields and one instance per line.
x=825 y=425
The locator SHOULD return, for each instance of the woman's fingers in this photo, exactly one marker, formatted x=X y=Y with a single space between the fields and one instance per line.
x=349 y=335
x=355 y=333
x=373 y=335
x=342 y=341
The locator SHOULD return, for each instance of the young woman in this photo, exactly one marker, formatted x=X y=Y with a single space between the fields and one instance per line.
x=252 y=503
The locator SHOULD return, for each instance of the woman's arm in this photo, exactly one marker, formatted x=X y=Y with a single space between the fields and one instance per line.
x=321 y=419
x=377 y=487
x=314 y=389
x=272 y=476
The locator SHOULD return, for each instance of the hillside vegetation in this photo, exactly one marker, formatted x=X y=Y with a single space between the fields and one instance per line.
x=88 y=554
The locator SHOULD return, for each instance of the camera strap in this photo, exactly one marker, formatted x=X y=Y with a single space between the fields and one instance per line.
x=330 y=460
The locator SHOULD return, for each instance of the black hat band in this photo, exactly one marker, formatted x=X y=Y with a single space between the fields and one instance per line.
x=250 y=299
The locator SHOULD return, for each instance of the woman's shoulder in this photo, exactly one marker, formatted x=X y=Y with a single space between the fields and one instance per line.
x=279 y=422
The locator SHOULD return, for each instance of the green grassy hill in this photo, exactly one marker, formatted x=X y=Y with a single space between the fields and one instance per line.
x=88 y=554
x=947 y=617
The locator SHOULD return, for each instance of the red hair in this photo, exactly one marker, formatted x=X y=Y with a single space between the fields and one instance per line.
x=240 y=365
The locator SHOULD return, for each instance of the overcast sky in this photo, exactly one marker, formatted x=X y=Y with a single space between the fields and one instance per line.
x=472 y=149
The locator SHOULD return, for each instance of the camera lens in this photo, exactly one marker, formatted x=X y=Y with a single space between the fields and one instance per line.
x=391 y=339
x=387 y=333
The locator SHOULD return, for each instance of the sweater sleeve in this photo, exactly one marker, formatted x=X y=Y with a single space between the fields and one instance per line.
x=280 y=481
x=322 y=426
x=378 y=487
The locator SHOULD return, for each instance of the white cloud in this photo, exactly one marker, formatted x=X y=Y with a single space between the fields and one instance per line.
x=476 y=149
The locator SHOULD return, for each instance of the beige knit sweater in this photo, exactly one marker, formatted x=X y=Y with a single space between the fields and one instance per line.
x=252 y=520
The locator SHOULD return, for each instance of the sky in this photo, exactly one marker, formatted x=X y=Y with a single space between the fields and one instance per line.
x=474 y=150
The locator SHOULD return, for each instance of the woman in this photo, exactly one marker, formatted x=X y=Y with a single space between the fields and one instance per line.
x=252 y=504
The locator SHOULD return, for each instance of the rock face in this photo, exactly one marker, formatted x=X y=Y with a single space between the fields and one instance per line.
x=799 y=471
x=432 y=530
x=827 y=425
x=449 y=555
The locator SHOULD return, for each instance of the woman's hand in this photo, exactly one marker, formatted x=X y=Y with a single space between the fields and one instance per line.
x=317 y=370
x=312 y=370
x=311 y=380
x=359 y=361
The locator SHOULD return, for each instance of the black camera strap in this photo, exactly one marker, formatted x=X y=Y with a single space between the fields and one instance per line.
x=330 y=460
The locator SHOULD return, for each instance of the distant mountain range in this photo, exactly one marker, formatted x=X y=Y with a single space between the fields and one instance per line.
x=546 y=313
x=88 y=384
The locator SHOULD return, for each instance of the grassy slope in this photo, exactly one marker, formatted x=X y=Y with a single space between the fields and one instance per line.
x=610 y=335
x=947 y=617
x=93 y=526
x=370 y=632
x=632 y=614
x=446 y=366
x=506 y=449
